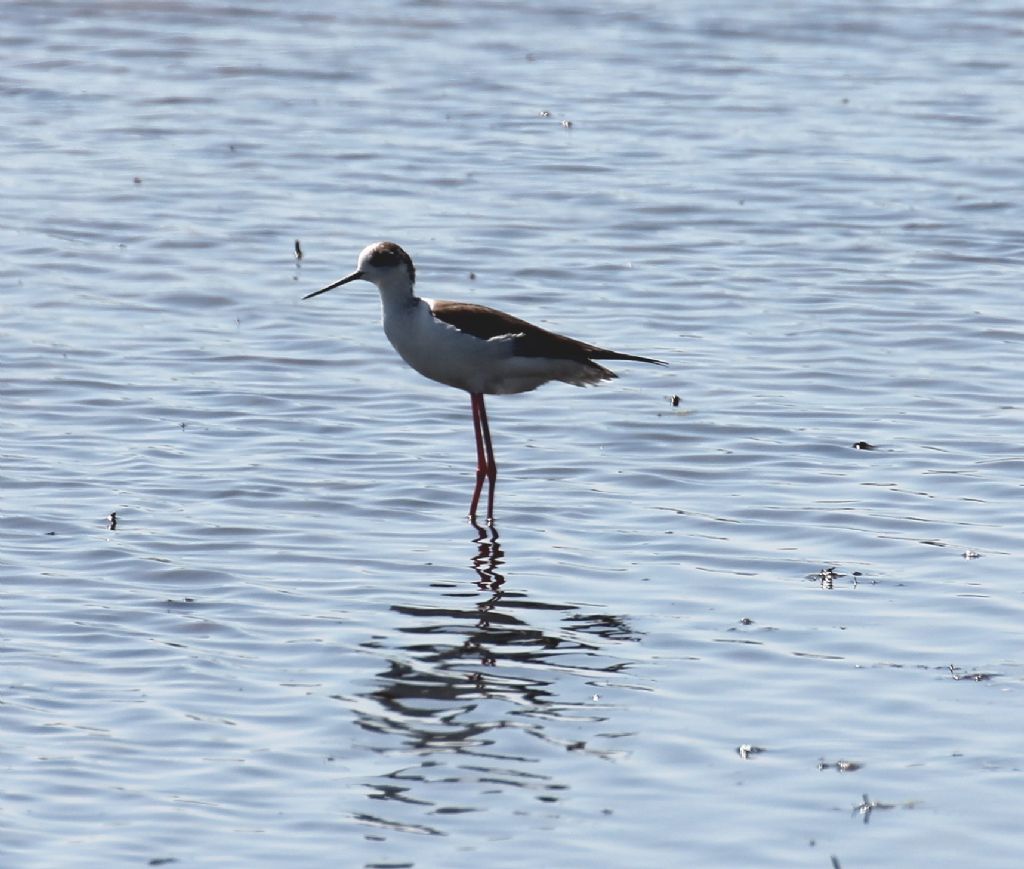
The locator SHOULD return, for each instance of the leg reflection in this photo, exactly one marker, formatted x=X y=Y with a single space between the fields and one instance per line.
x=488 y=559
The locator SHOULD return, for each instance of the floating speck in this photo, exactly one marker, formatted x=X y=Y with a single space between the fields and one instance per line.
x=840 y=765
x=868 y=805
x=969 y=677
x=826 y=576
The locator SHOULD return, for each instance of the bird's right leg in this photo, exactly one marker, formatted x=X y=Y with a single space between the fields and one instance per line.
x=490 y=466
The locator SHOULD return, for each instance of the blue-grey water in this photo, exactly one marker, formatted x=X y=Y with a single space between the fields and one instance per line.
x=709 y=632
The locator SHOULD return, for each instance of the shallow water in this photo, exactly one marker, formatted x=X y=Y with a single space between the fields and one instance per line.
x=713 y=633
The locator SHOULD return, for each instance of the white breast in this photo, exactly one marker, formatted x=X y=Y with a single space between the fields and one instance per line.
x=441 y=352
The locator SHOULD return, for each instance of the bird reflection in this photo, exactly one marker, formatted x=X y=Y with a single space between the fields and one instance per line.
x=469 y=677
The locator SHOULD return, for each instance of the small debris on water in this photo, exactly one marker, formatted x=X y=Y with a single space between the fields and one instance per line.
x=971 y=553
x=840 y=765
x=544 y=114
x=112 y=522
x=746 y=751
x=136 y=180
x=969 y=677
x=567 y=124
x=868 y=805
x=472 y=276
x=826 y=576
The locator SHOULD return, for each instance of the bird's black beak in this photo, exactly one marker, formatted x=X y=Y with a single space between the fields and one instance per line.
x=355 y=276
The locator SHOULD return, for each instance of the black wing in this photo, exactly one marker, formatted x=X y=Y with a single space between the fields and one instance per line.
x=485 y=323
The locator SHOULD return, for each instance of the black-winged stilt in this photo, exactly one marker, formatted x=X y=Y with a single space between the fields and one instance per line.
x=471 y=347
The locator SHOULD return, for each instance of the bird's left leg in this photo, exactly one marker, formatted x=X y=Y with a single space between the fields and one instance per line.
x=481 y=458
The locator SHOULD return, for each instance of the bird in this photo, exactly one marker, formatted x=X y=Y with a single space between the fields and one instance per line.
x=474 y=348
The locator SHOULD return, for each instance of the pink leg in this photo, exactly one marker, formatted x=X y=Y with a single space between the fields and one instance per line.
x=485 y=466
x=481 y=460
x=492 y=467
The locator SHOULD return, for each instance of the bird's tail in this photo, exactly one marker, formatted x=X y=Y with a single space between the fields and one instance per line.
x=628 y=357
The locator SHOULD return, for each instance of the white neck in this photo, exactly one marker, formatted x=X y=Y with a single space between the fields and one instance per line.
x=396 y=291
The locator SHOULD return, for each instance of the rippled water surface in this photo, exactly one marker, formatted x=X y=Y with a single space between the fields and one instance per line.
x=708 y=631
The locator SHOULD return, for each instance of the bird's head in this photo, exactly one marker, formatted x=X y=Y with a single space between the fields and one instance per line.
x=382 y=263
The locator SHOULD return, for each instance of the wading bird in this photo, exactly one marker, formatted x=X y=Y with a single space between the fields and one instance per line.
x=471 y=347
